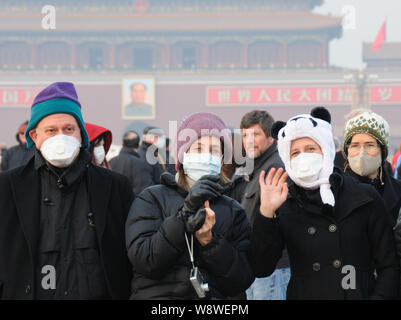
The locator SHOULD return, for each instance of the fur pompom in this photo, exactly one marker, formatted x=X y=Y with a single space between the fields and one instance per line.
x=276 y=128
x=321 y=113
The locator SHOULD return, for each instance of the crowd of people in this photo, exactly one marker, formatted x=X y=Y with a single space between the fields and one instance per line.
x=192 y=222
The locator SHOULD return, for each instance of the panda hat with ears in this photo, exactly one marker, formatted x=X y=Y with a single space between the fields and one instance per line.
x=317 y=127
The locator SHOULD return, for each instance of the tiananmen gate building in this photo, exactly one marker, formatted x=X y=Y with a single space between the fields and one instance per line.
x=223 y=56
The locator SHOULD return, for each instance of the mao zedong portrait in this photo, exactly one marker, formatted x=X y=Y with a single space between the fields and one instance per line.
x=138 y=107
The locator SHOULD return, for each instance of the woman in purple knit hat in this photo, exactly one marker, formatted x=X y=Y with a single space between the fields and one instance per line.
x=185 y=239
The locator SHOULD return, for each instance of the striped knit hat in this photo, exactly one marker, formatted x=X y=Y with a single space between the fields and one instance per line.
x=370 y=123
x=59 y=97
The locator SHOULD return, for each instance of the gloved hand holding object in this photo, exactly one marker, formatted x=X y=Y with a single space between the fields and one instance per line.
x=193 y=213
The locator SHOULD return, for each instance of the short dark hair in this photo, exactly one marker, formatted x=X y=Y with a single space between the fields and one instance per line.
x=261 y=117
x=152 y=130
x=131 y=139
x=129 y=134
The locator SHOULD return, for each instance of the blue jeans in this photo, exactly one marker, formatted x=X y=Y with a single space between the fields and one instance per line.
x=273 y=287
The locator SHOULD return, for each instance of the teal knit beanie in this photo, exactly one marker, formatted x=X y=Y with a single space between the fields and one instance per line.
x=59 y=97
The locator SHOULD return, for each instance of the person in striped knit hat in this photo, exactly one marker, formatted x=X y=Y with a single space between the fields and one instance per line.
x=365 y=149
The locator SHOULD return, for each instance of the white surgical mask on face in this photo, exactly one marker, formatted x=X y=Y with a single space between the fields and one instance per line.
x=60 y=150
x=99 y=154
x=364 y=164
x=306 y=166
x=160 y=143
x=197 y=165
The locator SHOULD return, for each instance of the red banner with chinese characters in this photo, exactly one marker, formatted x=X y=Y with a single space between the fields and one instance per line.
x=238 y=96
x=385 y=94
x=17 y=97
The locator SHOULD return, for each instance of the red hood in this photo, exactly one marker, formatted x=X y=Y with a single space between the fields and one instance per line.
x=95 y=131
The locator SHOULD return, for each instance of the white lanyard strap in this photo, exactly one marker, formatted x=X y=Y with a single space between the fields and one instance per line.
x=190 y=249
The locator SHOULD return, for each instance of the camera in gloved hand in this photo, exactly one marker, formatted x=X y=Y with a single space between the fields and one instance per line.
x=193 y=213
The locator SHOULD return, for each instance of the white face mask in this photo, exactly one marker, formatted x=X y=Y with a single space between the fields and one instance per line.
x=307 y=166
x=99 y=154
x=364 y=164
x=197 y=165
x=60 y=150
x=160 y=143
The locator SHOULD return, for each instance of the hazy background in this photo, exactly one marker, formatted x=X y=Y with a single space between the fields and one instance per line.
x=180 y=92
x=369 y=16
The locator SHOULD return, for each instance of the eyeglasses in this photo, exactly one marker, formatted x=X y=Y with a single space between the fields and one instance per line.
x=369 y=147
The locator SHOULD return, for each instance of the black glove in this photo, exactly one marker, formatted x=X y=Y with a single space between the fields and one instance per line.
x=195 y=221
x=206 y=188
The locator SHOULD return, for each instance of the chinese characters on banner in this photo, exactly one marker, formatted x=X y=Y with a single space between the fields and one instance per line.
x=224 y=96
x=17 y=97
x=248 y=96
x=238 y=96
x=385 y=94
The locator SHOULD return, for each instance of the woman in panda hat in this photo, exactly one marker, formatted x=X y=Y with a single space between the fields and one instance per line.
x=336 y=230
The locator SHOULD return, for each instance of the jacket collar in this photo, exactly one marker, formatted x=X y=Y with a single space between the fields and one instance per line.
x=388 y=190
x=129 y=151
x=348 y=199
x=343 y=187
x=68 y=175
x=259 y=161
x=145 y=146
x=374 y=182
x=168 y=180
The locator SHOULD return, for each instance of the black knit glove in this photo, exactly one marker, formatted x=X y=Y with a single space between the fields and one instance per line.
x=193 y=212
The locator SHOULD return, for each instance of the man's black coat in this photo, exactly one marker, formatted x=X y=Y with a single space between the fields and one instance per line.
x=110 y=199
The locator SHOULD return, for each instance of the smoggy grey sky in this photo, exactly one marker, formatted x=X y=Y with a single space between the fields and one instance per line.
x=369 y=16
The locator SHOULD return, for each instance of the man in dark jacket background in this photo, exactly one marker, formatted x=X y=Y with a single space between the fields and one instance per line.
x=262 y=148
x=3 y=150
x=129 y=164
x=18 y=155
x=151 y=150
x=62 y=218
